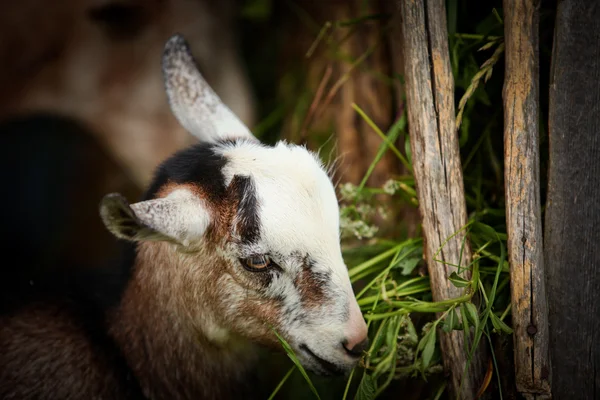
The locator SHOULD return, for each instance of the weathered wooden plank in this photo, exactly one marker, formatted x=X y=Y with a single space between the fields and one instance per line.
x=437 y=167
x=523 y=208
x=572 y=233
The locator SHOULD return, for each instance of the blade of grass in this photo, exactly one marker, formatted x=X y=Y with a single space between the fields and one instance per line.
x=386 y=270
x=348 y=384
x=320 y=36
x=480 y=330
x=392 y=135
x=281 y=383
x=290 y=352
x=394 y=353
x=422 y=287
x=373 y=261
x=495 y=365
x=440 y=391
x=392 y=147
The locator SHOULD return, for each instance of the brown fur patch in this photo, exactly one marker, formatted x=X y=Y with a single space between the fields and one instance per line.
x=310 y=285
x=268 y=312
x=46 y=353
x=160 y=325
x=225 y=211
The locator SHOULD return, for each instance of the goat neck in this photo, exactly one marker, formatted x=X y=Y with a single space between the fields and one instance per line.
x=173 y=355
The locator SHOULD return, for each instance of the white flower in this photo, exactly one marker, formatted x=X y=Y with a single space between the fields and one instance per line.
x=391 y=187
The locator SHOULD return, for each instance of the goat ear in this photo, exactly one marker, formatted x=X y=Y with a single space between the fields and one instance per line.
x=193 y=102
x=181 y=217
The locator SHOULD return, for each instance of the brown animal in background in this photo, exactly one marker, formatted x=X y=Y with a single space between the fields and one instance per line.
x=94 y=61
x=233 y=239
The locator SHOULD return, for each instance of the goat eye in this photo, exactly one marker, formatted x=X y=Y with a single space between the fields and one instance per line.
x=256 y=263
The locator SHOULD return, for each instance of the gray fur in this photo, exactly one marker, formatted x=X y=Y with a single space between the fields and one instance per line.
x=193 y=102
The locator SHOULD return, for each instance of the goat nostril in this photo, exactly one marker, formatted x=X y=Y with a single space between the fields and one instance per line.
x=358 y=349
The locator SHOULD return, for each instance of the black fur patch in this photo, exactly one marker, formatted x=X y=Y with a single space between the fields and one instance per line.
x=248 y=225
x=198 y=164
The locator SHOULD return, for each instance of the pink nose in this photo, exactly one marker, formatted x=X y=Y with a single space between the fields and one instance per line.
x=356 y=341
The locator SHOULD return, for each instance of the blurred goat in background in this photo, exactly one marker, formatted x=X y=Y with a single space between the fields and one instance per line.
x=83 y=112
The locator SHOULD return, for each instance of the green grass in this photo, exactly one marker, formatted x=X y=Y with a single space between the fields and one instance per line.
x=396 y=301
x=292 y=355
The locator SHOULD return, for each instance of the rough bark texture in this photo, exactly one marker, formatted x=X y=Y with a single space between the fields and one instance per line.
x=437 y=168
x=523 y=209
x=572 y=236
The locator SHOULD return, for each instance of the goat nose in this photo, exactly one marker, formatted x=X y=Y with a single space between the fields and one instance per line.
x=356 y=331
x=356 y=349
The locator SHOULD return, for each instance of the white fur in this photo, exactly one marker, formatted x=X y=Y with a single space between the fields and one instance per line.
x=181 y=215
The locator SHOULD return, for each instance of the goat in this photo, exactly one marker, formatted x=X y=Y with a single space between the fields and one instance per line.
x=233 y=239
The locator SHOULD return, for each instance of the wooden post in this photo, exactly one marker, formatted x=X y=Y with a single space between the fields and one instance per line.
x=523 y=208
x=572 y=233
x=437 y=168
